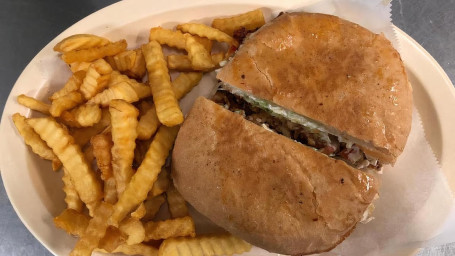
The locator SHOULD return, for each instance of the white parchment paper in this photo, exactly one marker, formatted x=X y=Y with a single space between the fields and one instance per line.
x=414 y=203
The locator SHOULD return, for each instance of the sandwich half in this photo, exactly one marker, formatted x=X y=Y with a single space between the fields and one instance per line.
x=286 y=153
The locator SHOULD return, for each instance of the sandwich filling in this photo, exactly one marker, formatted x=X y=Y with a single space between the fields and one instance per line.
x=296 y=127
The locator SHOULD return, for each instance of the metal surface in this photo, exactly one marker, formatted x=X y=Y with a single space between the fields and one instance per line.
x=26 y=26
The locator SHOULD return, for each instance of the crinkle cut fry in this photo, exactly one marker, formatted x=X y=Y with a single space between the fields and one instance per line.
x=95 y=231
x=72 y=199
x=170 y=228
x=144 y=178
x=148 y=122
x=73 y=84
x=208 y=32
x=35 y=142
x=72 y=221
x=250 y=21
x=167 y=107
x=79 y=42
x=208 y=245
x=91 y=54
x=63 y=145
x=33 y=104
x=176 y=203
x=124 y=134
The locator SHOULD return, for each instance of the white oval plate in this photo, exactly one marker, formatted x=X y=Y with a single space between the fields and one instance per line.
x=35 y=192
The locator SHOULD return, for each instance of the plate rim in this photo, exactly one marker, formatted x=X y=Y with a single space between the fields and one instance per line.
x=122 y=4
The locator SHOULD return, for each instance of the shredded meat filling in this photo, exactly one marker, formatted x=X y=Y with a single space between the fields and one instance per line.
x=330 y=146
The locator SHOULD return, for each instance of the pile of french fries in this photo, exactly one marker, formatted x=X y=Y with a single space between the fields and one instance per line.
x=111 y=134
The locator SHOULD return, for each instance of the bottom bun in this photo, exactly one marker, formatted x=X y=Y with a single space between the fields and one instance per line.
x=265 y=188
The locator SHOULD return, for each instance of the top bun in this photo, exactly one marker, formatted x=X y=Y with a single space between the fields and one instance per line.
x=333 y=71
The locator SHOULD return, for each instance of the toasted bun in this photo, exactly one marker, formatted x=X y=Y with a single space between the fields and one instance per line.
x=333 y=71
x=263 y=187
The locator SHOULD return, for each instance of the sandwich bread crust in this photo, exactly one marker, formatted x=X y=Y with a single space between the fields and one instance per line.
x=332 y=71
x=265 y=188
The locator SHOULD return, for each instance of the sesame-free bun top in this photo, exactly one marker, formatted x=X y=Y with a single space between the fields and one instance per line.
x=333 y=71
x=265 y=188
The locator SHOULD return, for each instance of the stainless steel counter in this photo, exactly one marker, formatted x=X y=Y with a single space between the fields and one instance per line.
x=26 y=26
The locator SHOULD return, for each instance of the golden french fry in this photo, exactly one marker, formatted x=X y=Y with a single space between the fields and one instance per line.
x=32 y=139
x=88 y=153
x=217 y=58
x=167 y=107
x=125 y=60
x=199 y=56
x=67 y=119
x=72 y=199
x=91 y=54
x=185 y=82
x=207 y=43
x=33 y=104
x=121 y=87
x=152 y=207
x=208 y=32
x=176 y=203
x=142 y=90
x=63 y=145
x=134 y=229
x=73 y=84
x=161 y=184
x=102 y=145
x=87 y=114
x=112 y=239
x=140 y=212
x=95 y=231
x=144 y=106
x=117 y=77
x=111 y=61
x=149 y=122
x=137 y=249
x=56 y=164
x=79 y=66
x=96 y=79
x=146 y=175
x=83 y=116
x=124 y=134
x=124 y=123
x=83 y=135
x=250 y=21
x=72 y=221
x=168 y=37
x=76 y=223
x=207 y=245
x=79 y=42
x=139 y=152
x=181 y=62
x=169 y=228
x=138 y=69
x=65 y=102
x=110 y=191
x=119 y=91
